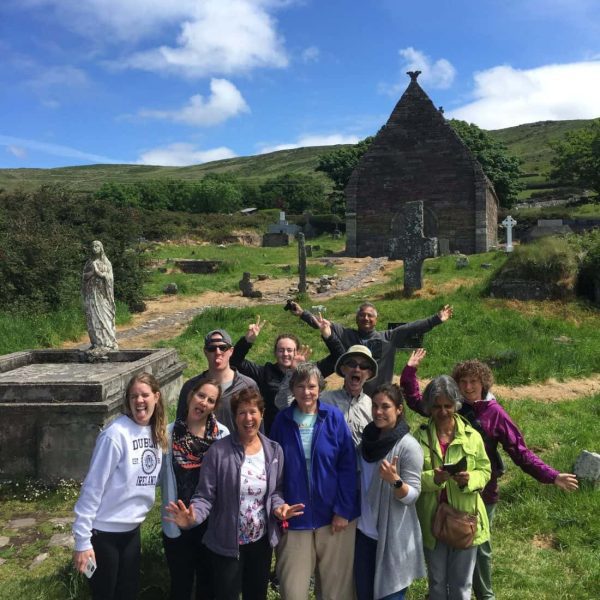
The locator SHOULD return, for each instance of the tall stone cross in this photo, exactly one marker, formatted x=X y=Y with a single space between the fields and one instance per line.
x=412 y=247
x=509 y=223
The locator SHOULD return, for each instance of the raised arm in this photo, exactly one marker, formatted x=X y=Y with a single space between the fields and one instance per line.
x=409 y=382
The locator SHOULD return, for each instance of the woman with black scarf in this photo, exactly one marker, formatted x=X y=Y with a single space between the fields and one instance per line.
x=389 y=550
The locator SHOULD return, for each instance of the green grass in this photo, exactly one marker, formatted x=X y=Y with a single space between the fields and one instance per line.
x=21 y=331
x=545 y=541
x=237 y=259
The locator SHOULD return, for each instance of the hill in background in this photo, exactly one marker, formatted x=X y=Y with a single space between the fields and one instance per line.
x=529 y=142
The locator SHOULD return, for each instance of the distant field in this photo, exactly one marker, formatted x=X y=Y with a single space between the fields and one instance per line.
x=528 y=142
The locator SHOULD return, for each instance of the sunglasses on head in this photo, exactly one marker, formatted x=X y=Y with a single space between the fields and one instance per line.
x=215 y=347
x=354 y=363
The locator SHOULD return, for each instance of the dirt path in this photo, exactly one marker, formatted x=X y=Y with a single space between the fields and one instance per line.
x=168 y=316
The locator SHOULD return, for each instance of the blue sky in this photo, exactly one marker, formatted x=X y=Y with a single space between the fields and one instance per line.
x=178 y=82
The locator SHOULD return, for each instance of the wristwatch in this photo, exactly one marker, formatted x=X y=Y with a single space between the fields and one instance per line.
x=397 y=484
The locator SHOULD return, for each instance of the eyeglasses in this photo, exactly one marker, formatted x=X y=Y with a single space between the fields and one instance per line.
x=215 y=347
x=353 y=364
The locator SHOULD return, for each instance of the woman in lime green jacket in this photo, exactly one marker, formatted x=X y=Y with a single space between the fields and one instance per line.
x=450 y=570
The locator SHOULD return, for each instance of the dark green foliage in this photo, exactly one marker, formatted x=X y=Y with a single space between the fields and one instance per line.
x=502 y=169
x=548 y=260
x=44 y=240
x=294 y=193
x=577 y=157
x=588 y=278
x=340 y=163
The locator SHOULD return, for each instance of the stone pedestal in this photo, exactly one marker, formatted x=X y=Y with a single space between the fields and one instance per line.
x=53 y=404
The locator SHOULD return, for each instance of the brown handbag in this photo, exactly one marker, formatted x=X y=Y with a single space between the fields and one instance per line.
x=453 y=527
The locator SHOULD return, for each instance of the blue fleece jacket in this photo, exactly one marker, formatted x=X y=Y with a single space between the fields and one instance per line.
x=333 y=488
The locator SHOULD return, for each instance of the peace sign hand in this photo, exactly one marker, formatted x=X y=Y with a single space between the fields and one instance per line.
x=254 y=329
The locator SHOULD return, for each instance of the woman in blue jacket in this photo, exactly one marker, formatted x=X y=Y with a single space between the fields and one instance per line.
x=320 y=473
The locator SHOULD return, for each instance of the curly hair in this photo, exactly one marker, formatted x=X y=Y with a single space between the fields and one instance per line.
x=474 y=368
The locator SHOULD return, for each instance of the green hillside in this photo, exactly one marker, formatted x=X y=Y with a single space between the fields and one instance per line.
x=528 y=142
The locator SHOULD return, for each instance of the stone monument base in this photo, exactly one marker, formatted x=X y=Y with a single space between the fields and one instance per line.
x=53 y=404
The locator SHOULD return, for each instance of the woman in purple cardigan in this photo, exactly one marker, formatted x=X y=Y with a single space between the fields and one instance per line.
x=240 y=487
x=481 y=409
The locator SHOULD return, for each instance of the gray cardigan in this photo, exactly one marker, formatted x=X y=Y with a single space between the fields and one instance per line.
x=218 y=493
x=399 y=558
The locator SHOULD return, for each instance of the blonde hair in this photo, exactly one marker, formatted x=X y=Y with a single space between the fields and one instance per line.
x=158 y=421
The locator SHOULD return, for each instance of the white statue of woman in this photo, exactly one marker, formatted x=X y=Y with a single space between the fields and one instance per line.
x=97 y=289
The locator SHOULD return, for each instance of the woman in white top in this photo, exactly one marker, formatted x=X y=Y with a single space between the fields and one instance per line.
x=189 y=440
x=118 y=492
x=388 y=553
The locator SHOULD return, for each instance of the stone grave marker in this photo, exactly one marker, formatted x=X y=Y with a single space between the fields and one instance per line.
x=509 y=223
x=412 y=247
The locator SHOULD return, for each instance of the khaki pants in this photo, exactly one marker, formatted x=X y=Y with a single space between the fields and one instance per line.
x=299 y=552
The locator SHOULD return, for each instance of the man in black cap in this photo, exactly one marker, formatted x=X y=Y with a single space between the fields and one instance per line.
x=218 y=350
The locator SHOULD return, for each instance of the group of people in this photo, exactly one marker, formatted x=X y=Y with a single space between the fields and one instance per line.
x=260 y=457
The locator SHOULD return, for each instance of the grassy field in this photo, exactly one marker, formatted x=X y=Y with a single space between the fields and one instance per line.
x=274 y=262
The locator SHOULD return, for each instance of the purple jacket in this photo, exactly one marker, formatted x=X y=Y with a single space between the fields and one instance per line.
x=496 y=427
x=218 y=493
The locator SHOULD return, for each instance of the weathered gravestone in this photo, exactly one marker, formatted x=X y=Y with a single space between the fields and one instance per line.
x=412 y=247
x=301 y=263
x=247 y=287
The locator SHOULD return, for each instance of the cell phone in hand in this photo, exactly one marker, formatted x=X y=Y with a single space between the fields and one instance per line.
x=90 y=567
x=455 y=468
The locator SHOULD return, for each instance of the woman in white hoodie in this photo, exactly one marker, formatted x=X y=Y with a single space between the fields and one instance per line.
x=118 y=492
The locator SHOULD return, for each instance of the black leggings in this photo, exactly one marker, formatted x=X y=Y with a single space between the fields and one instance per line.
x=118 y=558
x=188 y=559
x=248 y=575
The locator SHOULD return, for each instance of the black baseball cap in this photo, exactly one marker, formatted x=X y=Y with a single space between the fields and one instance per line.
x=209 y=338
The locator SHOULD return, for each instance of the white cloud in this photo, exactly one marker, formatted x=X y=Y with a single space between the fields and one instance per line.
x=56 y=150
x=182 y=154
x=17 y=151
x=437 y=74
x=313 y=140
x=505 y=96
x=224 y=102
x=311 y=54
x=221 y=36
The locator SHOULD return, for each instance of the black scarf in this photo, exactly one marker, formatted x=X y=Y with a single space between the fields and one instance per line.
x=376 y=443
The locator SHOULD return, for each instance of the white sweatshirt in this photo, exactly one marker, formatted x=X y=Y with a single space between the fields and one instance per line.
x=119 y=488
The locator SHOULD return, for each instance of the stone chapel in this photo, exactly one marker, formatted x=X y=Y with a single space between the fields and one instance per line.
x=416 y=156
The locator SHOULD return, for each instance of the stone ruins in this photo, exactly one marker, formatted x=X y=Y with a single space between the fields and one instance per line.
x=417 y=156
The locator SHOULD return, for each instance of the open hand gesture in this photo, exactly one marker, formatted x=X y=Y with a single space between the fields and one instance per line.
x=416 y=357
x=254 y=330
x=302 y=355
x=445 y=313
x=567 y=482
x=183 y=517
x=285 y=511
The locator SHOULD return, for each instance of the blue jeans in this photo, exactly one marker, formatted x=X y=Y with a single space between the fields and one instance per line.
x=365 y=553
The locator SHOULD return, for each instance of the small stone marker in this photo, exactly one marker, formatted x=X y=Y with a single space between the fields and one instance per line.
x=587 y=466
x=509 y=223
x=4 y=541
x=412 y=247
x=462 y=261
x=247 y=287
x=170 y=288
